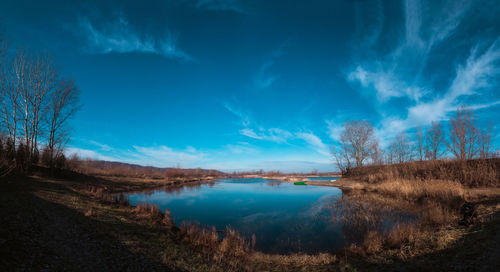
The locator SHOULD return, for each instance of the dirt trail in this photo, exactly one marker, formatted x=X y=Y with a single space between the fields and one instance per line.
x=39 y=235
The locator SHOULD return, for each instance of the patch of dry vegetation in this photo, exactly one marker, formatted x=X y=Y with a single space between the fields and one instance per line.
x=474 y=173
x=222 y=246
x=438 y=190
x=373 y=224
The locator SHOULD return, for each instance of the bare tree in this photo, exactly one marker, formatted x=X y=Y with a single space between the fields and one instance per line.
x=419 y=145
x=12 y=82
x=463 y=135
x=62 y=106
x=401 y=148
x=42 y=83
x=3 y=51
x=484 y=142
x=390 y=156
x=341 y=156
x=356 y=142
x=434 y=141
x=377 y=155
x=27 y=83
x=36 y=104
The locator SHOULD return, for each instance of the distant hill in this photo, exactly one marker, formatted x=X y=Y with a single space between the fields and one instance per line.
x=126 y=169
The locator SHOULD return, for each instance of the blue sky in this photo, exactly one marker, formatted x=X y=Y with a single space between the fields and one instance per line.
x=243 y=85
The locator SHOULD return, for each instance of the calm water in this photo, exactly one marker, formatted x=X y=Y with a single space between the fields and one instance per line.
x=283 y=216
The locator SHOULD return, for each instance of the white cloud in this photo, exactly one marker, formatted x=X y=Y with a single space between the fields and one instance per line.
x=241 y=148
x=264 y=79
x=314 y=141
x=369 y=18
x=477 y=73
x=102 y=146
x=165 y=156
x=272 y=134
x=159 y=156
x=397 y=74
x=244 y=117
x=250 y=133
x=385 y=83
x=88 y=154
x=120 y=37
x=334 y=129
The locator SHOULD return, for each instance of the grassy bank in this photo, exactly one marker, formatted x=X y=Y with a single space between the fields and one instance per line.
x=471 y=173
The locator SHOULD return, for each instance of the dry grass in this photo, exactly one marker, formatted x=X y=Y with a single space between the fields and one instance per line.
x=295 y=259
x=474 y=173
x=373 y=223
x=232 y=245
x=438 y=190
x=106 y=196
x=150 y=211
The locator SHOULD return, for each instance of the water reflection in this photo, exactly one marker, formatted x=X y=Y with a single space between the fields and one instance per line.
x=284 y=217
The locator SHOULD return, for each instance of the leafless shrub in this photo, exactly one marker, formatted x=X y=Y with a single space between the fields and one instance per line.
x=149 y=210
x=108 y=197
x=89 y=212
x=232 y=245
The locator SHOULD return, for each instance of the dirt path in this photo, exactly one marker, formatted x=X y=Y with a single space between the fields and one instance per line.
x=39 y=235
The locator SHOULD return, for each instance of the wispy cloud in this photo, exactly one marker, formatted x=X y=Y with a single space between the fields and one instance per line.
x=334 y=129
x=386 y=83
x=243 y=116
x=477 y=74
x=398 y=73
x=276 y=135
x=120 y=37
x=159 y=156
x=371 y=11
x=264 y=77
x=241 y=148
x=314 y=141
x=164 y=155
x=88 y=153
x=229 y=5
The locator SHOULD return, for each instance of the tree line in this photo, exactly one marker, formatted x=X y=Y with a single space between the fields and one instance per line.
x=359 y=146
x=36 y=104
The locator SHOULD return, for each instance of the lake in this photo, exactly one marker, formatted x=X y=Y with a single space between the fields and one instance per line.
x=284 y=217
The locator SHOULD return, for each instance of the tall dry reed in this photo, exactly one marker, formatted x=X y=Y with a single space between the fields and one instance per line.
x=475 y=173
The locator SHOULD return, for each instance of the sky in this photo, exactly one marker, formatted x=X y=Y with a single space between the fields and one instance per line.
x=248 y=85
